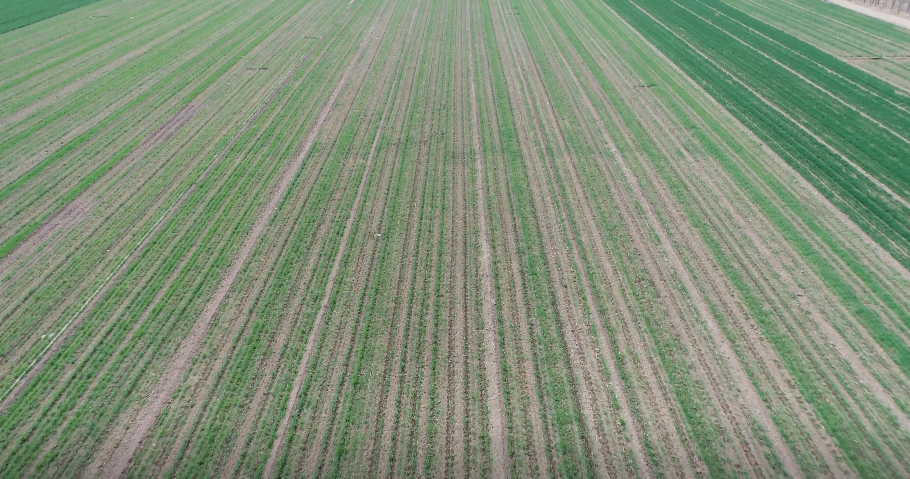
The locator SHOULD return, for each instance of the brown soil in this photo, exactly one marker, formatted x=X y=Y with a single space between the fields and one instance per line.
x=498 y=443
x=541 y=436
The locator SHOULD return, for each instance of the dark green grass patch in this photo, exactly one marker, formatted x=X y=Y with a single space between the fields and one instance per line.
x=19 y=13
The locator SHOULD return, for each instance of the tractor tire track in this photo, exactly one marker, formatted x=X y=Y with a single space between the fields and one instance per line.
x=497 y=426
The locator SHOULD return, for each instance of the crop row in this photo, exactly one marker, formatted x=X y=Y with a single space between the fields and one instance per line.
x=36 y=79
x=209 y=237
x=857 y=196
x=821 y=62
x=809 y=376
x=20 y=14
x=207 y=437
x=177 y=82
x=697 y=407
x=26 y=315
x=841 y=127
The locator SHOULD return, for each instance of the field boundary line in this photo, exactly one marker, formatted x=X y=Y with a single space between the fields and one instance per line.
x=854 y=27
x=849 y=355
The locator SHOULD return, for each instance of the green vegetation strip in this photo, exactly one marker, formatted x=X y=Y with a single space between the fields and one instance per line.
x=861 y=450
x=19 y=13
x=165 y=85
x=870 y=146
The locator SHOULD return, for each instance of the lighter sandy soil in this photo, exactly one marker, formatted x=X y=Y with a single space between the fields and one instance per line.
x=874 y=13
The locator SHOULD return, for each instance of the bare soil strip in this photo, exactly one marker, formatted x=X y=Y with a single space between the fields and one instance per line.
x=281 y=435
x=497 y=412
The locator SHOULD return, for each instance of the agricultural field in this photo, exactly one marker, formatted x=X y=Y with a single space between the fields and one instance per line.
x=453 y=238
